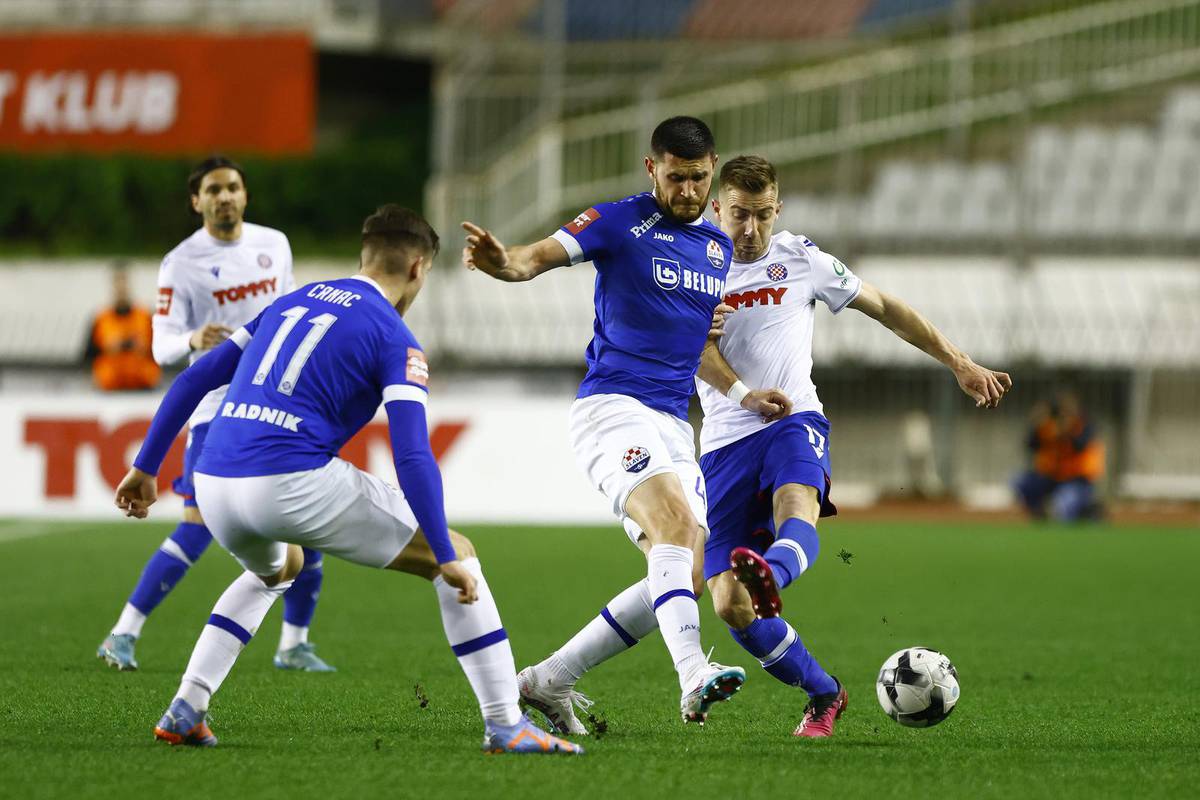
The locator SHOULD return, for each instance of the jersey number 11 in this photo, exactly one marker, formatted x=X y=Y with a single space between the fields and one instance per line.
x=320 y=325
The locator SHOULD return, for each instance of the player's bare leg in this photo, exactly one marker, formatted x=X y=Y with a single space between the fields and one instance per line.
x=478 y=639
x=659 y=508
x=234 y=621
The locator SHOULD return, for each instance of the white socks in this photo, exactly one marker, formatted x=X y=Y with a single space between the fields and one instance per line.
x=292 y=635
x=626 y=619
x=674 y=603
x=478 y=639
x=234 y=621
x=130 y=622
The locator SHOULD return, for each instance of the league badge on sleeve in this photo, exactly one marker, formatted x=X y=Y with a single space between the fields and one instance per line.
x=777 y=272
x=416 y=368
x=716 y=256
x=635 y=459
x=576 y=226
x=164 y=300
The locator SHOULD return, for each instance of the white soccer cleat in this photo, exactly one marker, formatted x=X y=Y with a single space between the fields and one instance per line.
x=714 y=684
x=557 y=703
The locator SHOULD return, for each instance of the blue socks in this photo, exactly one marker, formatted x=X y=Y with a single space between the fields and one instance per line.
x=795 y=549
x=169 y=564
x=300 y=601
x=778 y=648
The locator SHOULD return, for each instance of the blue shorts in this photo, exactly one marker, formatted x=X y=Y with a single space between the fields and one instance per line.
x=183 y=485
x=742 y=476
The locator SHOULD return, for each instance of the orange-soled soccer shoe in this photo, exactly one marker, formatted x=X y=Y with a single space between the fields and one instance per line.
x=183 y=724
x=526 y=738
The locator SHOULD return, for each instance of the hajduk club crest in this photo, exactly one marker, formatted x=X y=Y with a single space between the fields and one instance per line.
x=777 y=272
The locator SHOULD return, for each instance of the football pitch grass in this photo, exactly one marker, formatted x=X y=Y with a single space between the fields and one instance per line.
x=1078 y=651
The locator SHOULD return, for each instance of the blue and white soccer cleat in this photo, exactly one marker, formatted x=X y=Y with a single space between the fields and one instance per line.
x=715 y=684
x=302 y=658
x=556 y=703
x=183 y=724
x=526 y=738
x=117 y=651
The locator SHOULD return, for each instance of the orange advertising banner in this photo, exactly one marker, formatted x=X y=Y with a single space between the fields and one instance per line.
x=157 y=93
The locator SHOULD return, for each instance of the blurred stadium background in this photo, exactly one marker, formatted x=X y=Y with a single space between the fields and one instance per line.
x=1023 y=172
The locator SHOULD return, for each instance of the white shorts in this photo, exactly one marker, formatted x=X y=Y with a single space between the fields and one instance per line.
x=619 y=443
x=337 y=509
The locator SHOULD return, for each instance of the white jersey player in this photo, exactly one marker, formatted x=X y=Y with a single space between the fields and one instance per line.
x=768 y=485
x=212 y=283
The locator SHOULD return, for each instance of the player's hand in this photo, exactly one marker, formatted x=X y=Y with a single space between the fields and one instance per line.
x=717 y=329
x=137 y=492
x=456 y=575
x=770 y=404
x=483 y=250
x=986 y=387
x=209 y=336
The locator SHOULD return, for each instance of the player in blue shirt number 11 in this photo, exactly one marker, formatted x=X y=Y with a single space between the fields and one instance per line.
x=304 y=377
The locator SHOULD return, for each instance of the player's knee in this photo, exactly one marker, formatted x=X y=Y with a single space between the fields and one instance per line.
x=192 y=514
x=291 y=566
x=463 y=547
x=676 y=525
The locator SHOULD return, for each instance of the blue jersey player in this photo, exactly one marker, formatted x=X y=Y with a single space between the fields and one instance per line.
x=660 y=276
x=304 y=377
x=767 y=486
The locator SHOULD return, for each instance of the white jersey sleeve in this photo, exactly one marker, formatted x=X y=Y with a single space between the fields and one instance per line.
x=289 y=277
x=173 y=318
x=832 y=281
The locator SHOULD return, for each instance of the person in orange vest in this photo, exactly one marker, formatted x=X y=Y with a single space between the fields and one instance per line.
x=1067 y=461
x=118 y=345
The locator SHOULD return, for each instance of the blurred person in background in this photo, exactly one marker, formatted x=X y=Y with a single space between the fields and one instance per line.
x=216 y=280
x=118 y=345
x=1067 y=461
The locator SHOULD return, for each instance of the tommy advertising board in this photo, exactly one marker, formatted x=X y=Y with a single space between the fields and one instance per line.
x=502 y=460
x=182 y=93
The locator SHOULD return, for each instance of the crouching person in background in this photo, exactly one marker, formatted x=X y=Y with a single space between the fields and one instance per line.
x=1067 y=462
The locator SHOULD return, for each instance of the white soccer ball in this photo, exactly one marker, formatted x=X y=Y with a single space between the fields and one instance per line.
x=917 y=687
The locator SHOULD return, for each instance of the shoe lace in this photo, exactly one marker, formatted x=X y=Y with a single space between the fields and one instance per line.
x=580 y=700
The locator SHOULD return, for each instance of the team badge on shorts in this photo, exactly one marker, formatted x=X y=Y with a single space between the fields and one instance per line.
x=777 y=272
x=264 y=260
x=635 y=459
x=716 y=256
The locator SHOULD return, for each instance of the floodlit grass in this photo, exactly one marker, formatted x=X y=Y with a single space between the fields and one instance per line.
x=1077 y=651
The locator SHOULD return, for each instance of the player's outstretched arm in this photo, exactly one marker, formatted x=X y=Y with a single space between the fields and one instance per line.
x=986 y=387
x=138 y=491
x=770 y=404
x=486 y=253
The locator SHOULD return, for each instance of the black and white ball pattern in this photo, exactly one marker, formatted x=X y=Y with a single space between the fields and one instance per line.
x=917 y=687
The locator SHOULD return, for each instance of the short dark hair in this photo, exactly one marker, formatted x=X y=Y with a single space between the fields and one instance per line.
x=394 y=226
x=682 y=137
x=752 y=174
x=208 y=165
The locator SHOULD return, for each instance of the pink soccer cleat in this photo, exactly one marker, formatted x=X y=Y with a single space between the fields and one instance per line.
x=821 y=713
x=752 y=571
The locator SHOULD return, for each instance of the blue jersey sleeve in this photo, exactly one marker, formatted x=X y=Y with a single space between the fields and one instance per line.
x=591 y=234
x=418 y=474
x=211 y=371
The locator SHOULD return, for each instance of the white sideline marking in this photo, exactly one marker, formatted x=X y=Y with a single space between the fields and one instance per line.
x=12 y=530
